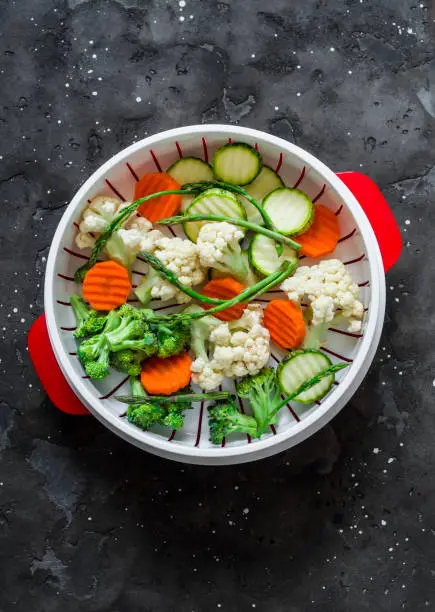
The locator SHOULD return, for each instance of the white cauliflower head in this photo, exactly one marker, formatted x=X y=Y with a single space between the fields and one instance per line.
x=180 y=257
x=204 y=375
x=219 y=247
x=241 y=347
x=329 y=288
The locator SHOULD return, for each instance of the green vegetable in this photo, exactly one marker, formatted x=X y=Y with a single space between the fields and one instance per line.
x=94 y=352
x=190 y=169
x=128 y=361
x=225 y=418
x=261 y=186
x=240 y=222
x=293 y=372
x=89 y=321
x=200 y=330
x=266 y=255
x=291 y=210
x=264 y=395
x=156 y=268
x=237 y=163
x=172 y=337
x=174 y=399
x=152 y=411
x=216 y=201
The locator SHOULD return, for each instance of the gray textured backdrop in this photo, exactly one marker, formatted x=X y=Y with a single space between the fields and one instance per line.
x=345 y=522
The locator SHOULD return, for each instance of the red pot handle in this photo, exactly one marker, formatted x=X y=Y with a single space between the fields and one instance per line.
x=48 y=370
x=378 y=213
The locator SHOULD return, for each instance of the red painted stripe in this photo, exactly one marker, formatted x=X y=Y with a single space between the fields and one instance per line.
x=115 y=191
x=165 y=307
x=72 y=354
x=63 y=303
x=86 y=377
x=156 y=161
x=198 y=433
x=318 y=402
x=229 y=141
x=172 y=231
x=79 y=255
x=339 y=210
x=172 y=436
x=345 y=333
x=352 y=261
x=272 y=427
x=319 y=195
x=364 y=284
x=242 y=410
x=279 y=164
x=180 y=152
x=139 y=273
x=300 y=179
x=135 y=176
x=115 y=389
x=68 y=328
x=204 y=148
x=68 y=278
x=256 y=146
x=352 y=233
x=336 y=382
x=337 y=355
x=132 y=301
x=76 y=225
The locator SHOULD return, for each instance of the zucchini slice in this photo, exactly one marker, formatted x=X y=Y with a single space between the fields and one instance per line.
x=291 y=211
x=237 y=163
x=266 y=256
x=190 y=170
x=268 y=180
x=301 y=366
x=212 y=202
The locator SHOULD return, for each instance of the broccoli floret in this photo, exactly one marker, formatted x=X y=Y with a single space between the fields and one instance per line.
x=225 y=418
x=172 y=337
x=132 y=327
x=95 y=357
x=88 y=321
x=263 y=393
x=174 y=417
x=128 y=361
x=155 y=411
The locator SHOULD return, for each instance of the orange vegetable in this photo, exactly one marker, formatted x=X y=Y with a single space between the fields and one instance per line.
x=285 y=323
x=165 y=376
x=163 y=206
x=323 y=235
x=106 y=285
x=225 y=289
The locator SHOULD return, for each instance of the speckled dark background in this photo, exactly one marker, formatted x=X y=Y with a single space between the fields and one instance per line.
x=345 y=522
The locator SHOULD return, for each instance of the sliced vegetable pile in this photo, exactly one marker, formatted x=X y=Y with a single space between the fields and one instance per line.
x=244 y=232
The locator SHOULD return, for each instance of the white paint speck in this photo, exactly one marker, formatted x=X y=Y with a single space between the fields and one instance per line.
x=182 y=3
x=95 y=93
x=245 y=510
x=407 y=222
x=390 y=460
x=138 y=99
x=181 y=18
x=383 y=523
x=376 y=451
x=276 y=108
x=332 y=49
x=298 y=94
x=15 y=310
x=252 y=55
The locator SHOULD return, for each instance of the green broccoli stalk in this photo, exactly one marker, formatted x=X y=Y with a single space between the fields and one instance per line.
x=225 y=418
x=88 y=321
x=263 y=393
x=316 y=334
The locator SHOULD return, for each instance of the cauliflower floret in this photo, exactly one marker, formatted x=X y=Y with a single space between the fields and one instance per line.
x=204 y=375
x=219 y=247
x=241 y=347
x=136 y=233
x=329 y=288
x=180 y=257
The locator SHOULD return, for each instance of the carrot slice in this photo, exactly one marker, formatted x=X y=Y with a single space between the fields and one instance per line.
x=163 y=206
x=323 y=235
x=106 y=285
x=225 y=289
x=285 y=323
x=165 y=376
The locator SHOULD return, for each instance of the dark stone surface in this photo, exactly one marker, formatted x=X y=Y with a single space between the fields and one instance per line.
x=89 y=523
